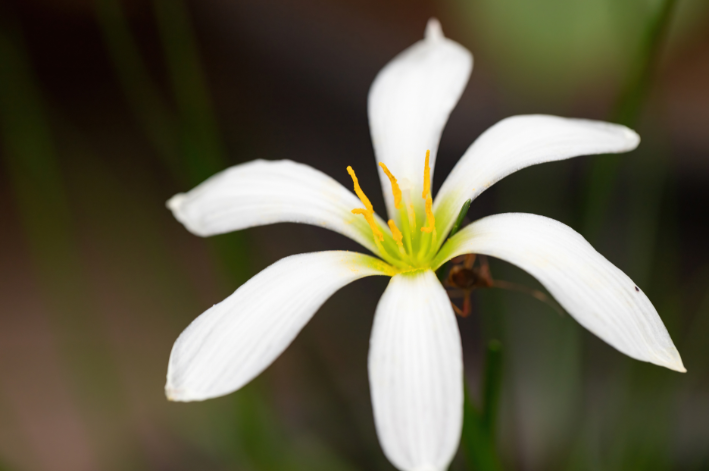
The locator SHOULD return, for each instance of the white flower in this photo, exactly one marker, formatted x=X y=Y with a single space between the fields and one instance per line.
x=415 y=358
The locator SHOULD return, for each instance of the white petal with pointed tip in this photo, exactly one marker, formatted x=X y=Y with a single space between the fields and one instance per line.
x=595 y=292
x=235 y=340
x=267 y=192
x=409 y=104
x=518 y=142
x=416 y=373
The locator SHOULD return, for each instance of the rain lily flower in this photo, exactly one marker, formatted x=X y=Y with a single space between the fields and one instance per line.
x=415 y=357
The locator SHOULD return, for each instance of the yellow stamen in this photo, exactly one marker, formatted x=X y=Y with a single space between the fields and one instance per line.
x=426 y=176
x=369 y=216
x=359 y=191
x=367 y=213
x=396 y=233
x=394 y=185
x=430 y=220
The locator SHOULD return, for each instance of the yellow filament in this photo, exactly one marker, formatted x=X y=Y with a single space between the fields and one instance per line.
x=430 y=220
x=394 y=185
x=426 y=176
x=359 y=191
x=369 y=216
x=396 y=233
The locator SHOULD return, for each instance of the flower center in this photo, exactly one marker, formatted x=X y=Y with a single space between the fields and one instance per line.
x=411 y=246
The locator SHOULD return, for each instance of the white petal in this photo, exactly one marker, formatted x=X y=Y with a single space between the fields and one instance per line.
x=266 y=192
x=416 y=373
x=234 y=341
x=518 y=142
x=409 y=104
x=596 y=293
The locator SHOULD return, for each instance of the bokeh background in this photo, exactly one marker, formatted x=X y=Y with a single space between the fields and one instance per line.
x=109 y=107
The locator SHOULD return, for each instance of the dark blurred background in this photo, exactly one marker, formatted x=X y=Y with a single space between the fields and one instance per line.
x=109 y=107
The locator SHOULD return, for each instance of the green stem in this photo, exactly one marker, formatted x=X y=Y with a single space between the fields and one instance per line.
x=202 y=149
x=603 y=176
x=149 y=108
x=492 y=386
x=638 y=85
x=478 y=438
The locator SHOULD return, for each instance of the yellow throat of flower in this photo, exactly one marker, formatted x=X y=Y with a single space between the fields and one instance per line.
x=411 y=246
